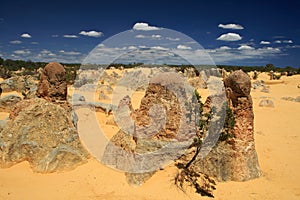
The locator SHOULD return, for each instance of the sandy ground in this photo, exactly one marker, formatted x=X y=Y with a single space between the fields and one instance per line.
x=277 y=137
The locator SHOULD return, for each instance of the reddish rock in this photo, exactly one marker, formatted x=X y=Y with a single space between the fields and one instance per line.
x=53 y=85
x=235 y=158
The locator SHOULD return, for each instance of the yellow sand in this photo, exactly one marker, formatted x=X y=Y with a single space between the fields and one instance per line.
x=277 y=136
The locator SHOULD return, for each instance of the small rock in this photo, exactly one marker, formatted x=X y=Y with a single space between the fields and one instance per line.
x=266 y=103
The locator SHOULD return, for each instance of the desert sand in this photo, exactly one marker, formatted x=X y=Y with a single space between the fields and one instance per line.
x=277 y=140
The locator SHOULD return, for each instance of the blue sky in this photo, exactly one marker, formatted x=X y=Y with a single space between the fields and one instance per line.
x=231 y=32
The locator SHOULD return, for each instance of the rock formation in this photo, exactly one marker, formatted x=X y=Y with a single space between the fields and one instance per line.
x=145 y=138
x=43 y=134
x=266 y=103
x=234 y=158
x=53 y=85
x=23 y=84
x=8 y=102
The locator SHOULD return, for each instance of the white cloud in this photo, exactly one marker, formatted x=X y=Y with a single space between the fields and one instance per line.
x=22 y=52
x=140 y=36
x=293 y=47
x=132 y=48
x=44 y=54
x=229 y=37
x=25 y=35
x=91 y=33
x=55 y=36
x=287 y=41
x=183 y=47
x=224 y=48
x=15 y=42
x=156 y=36
x=283 y=41
x=141 y=26
x=159 y=48
x=71 y=53
x=231 y=26
x=264 y=42
x=244 y=53
x=245 y=47
x=70 y=36
x=173 y=39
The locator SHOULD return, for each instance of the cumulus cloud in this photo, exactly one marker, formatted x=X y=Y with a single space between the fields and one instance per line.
x=22 y=52
x=264 y=42
x=245 y=47
x=183 y=47
x=229 y=37
x=26 y=35
x=70 y=36
x=15 y=42
x=141 y=26
x=91 y=33
x=71 y=53
x=277 y=41
x=231 y=26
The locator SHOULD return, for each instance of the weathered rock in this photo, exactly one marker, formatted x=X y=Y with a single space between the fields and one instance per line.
x=43 y=134
x=23 y=84
x=77 y=98
x=257 y=84
x=265 y=89
x=235 y=158
x=153 y=128
x=105 y=88
x=296 y=99
x=103 y=96
x=266 y=103
x=8 y=102
x=3 y=123
x=197 y=82
x=53 y=85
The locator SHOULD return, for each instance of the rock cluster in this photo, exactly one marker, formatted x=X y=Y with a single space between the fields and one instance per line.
x=23 y=84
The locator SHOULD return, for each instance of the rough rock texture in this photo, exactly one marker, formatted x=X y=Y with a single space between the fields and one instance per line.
x=23 y=84
x=8 y=102
x=43 y=134
x=235 y=158
x=53 y=85
x=296 y=99
x=103 y=96
x=266 y=103
x=146 y=139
